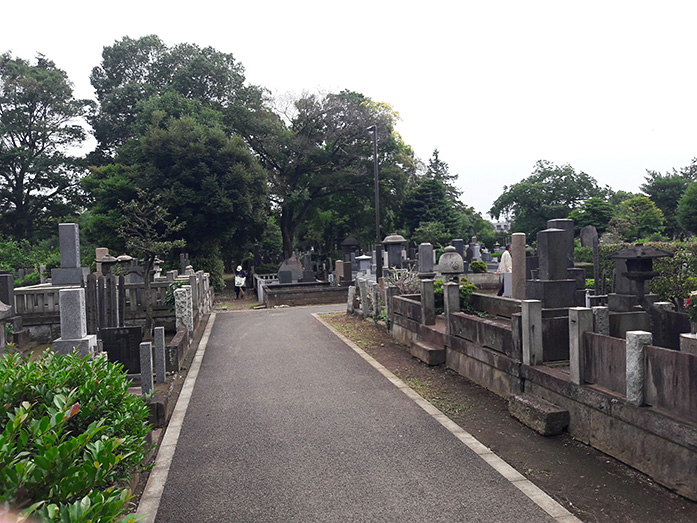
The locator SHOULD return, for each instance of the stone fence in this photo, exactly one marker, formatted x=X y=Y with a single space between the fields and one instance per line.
x=39 y=305
x=630 y=399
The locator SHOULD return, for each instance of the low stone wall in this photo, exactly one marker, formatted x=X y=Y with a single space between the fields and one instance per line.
x=294 y=294
x=658 y=437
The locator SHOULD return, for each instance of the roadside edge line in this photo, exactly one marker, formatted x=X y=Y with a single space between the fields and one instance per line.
x=150 y=500
x=527 y=487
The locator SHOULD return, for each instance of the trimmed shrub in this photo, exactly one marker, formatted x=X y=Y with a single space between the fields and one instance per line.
x=71 y=437
x=478 y=267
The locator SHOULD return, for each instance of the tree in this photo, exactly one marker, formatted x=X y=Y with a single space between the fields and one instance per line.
x=319 y=151
x=637 y=218
x=550 y=192
x=39 y=123
x=132 y=72
x=147 y=232
x=665 y=190
x=594 y=211
x=687 y=209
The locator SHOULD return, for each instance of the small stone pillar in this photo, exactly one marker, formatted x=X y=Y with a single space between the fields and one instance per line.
x=551 y=246
x=365 y=303
x=73 y=316
x=636 y=341
x=339 y=272
x=184 y=309
x=688 y=343
x=428 y=302
x=580 y=321
x=146 y=382
x=348 y=271
x=601 y=320
x=160 y=362
x=451 y=299
x=532 y=332
x=518 y=262
x=390 y=292
x=351 y=297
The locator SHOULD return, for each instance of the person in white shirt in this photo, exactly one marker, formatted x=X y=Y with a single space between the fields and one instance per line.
x=505 y=265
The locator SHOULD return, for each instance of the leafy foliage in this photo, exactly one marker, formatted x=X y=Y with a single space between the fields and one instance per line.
x=637 y=218
x=478 y=266
x=38 y=124
x=687 y=209
x=550 y=192
x=665 y=190
x=71 y=436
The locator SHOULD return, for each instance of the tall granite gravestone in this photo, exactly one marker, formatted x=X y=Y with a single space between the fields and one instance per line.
x=74 y=335
x=70 y=272
x=459 y=245
x=552 y=286
x=426 y=271
x=308 y=274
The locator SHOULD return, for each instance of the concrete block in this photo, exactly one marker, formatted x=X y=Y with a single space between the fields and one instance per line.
x=538 y=414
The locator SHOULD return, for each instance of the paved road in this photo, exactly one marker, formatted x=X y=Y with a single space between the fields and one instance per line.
x=286 y=422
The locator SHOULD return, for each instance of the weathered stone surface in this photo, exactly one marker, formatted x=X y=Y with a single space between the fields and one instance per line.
x=688 y=343
x=184 y=309
x=636 y=341
x=538 y=414
x=146 y=381
x=429 y=354
x=159 y=353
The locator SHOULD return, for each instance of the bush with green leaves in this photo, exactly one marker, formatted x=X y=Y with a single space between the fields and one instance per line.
x=478 y=267
x=72 y=435
x=466 y=290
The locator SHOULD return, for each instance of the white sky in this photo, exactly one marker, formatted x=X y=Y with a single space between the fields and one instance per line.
x=606 y=86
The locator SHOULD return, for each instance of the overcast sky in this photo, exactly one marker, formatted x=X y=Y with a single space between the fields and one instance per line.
x=606 y=86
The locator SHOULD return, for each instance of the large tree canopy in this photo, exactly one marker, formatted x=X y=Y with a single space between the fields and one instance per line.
x=665 y=190
x=551 y=191
x=134 y=71
x=321 y=150
x=39 y=123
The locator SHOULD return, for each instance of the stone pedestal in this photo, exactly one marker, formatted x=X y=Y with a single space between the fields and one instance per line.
x=553 y=294
x=73 y=314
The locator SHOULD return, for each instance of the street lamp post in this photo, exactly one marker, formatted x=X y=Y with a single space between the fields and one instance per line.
x=378 y=245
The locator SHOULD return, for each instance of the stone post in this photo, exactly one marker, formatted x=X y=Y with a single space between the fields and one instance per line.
x=428 y=302
x=146 y=383
x=100 y=252
x=532 y=332
x=70 y=272
x=7 y=292
x=580 y=321
x=551 y=246
x=339 y=272
x=193 y=283
x=601 y=320
x=363 y=289
x=451 y=299
x=390 y=292
x=351 y=297
x=160 y=371
x=518 y=261
x=184 y=309
x=636 y=341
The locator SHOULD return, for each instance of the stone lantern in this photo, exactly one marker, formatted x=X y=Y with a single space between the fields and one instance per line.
x=393 y=245
x=634 y=268
x=107 y=263
x=450 y=264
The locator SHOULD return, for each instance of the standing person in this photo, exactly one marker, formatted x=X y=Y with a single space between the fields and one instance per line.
x=505 y=265
x=240 y=282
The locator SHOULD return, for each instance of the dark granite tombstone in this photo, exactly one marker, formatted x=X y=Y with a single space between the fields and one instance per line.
x=285 y=277
x=122 y=344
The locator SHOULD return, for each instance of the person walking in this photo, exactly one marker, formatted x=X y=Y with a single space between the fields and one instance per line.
x=240 y=282
x=505 y=265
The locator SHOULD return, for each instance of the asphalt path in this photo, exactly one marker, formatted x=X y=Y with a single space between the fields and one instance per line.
x=287 y=422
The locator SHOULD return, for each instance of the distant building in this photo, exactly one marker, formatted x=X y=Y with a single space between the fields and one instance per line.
x=504 y=226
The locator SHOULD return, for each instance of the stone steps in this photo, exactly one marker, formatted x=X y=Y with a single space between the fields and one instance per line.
x=540 y=415
x=429 y=354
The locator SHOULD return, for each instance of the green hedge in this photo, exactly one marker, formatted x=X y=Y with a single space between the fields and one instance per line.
x=71 y=437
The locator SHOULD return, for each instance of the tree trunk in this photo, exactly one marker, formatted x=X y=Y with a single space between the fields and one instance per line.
x=287 y=232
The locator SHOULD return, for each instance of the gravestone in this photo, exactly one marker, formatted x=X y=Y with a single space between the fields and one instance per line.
x=552 y=287
x=567 y=243
x=308 y=274
x=459 y=245
x=122 y=344
x=293 y=265
x=426 y=261
x=285 y=277
x=348 y=271
x=184 y=261
x=146 y=381
x=74 y=324
x=159 y=353
x=70 y=272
